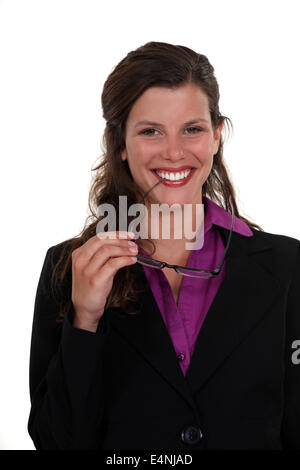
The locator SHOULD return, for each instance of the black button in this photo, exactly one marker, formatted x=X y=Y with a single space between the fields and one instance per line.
x=191 y=435
x=180 y=356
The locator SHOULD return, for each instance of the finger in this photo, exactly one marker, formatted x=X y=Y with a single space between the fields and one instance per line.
x=115 y=234
x=113 y=265
x=103 y=255
x=85 y=253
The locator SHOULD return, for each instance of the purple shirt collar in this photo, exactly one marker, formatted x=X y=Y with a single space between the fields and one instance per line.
x=216 y=215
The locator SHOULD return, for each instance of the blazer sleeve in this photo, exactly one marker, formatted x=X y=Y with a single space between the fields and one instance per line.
x=291 y=416
x=66 y=370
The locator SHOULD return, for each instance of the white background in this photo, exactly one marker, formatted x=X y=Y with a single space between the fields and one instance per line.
x=54 y=59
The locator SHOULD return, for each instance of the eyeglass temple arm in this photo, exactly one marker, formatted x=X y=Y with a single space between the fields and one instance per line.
x=229 y=238
x=228 y=243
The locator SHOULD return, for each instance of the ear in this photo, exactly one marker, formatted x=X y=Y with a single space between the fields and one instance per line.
x=217 y=137
x=124 y=154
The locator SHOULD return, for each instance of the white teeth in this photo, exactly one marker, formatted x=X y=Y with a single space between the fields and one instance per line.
x=173 y=176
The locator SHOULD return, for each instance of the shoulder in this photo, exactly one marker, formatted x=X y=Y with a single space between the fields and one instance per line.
x=62 y=249
x=56 y=260
x=59 y=255
x=280 y=252
x=284 y=244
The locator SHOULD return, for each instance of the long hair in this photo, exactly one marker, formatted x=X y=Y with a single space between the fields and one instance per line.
x=153 y=64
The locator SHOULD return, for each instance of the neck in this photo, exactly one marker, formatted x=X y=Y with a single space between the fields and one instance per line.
x=171 y=231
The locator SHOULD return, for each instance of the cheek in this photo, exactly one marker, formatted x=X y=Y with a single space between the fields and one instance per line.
x=205 y=158
x=203 y=149
x=139 y=164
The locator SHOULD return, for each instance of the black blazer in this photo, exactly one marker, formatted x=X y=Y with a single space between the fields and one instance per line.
x=122 y=387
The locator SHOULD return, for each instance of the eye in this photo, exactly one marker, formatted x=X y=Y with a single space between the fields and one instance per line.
x=198 y=129
x=148 y=131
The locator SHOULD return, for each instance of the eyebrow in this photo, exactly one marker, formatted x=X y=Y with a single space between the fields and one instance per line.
x=151 y=123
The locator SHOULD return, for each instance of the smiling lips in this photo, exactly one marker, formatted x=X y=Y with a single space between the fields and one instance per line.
x=176 y=177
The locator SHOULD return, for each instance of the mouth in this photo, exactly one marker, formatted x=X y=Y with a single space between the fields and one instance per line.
x=174 y=178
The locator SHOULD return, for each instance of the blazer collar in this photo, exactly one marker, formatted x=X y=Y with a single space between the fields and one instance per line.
x=233 y=313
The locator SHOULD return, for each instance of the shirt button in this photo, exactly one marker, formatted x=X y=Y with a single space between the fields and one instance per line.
x=191 y=435
x=180 y=356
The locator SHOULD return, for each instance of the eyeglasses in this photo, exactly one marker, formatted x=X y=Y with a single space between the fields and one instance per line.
x=184 y=271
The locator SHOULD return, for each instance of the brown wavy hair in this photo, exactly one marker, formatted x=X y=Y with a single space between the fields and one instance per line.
x=153 y=64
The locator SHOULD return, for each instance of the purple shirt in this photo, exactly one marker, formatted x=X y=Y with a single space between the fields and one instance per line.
x=196 y=295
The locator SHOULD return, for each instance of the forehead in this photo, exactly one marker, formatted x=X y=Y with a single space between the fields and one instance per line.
x=159 y=103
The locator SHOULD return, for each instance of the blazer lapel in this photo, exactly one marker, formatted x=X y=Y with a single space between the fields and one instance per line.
x=245 y=295
x=234 y=311
x=148 y=334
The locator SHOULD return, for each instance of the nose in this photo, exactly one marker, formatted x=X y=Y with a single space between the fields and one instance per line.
x=173 y=149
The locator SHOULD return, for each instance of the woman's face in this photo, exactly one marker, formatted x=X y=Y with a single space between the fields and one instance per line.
x=167 y=142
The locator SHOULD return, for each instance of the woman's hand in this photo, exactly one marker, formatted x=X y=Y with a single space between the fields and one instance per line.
x=94 y=266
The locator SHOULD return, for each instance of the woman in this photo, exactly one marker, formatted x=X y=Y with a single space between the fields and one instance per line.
x=147 y=355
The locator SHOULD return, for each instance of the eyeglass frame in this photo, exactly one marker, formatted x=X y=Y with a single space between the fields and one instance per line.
x=213 y=273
